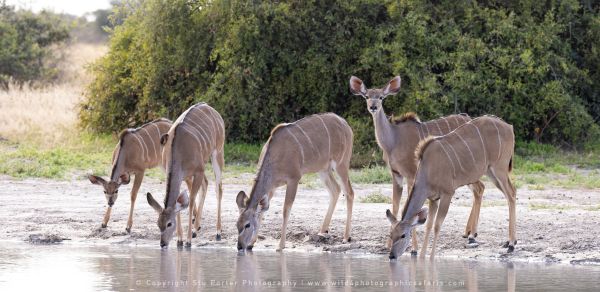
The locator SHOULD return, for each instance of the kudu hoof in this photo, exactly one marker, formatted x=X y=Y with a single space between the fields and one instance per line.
x=188 y=245
x=218 y=237
x=250 y=247
x=413 y=253
x=505 y=244
x=103 y=225
x=194 y=234
x=511 y=248
x=128 y=229
x=348 y=240
x=180 y=243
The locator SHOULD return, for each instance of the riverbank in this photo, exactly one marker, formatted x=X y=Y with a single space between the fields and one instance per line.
x=553 y=225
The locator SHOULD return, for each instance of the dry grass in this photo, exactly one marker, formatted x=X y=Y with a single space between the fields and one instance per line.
x=48 y=116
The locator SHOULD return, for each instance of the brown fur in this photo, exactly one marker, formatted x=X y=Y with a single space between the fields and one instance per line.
x=421 y=147
x=409 y=116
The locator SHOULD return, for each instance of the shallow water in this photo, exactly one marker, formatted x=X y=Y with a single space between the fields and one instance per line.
x=119 y=268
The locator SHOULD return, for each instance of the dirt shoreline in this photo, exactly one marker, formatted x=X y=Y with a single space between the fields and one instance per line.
x=552 y=225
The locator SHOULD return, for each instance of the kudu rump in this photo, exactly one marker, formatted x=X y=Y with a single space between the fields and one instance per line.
x=138 y=149
x=399 y=138
x=483 y=146
x=319 y=143
x=196 y=136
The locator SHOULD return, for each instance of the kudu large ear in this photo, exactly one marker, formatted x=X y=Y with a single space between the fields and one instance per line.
x=241 y=200
x=124 y=179
x=96 y=180
x=390 y=216
x=183 y=201
x=393 y=86
x=153 y=203
x=163 y=139
x=357 y=87
x=421 y=217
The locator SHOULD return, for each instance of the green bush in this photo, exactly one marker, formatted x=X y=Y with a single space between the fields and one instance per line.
x=260 y=63
x=26 y=45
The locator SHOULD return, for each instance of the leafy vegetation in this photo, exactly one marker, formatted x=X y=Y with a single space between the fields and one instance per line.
x=260 y=63
x=26 y=45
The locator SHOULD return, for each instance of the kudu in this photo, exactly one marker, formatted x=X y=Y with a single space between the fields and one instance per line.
x=483 y=146
x=138 y=150
x=197 y=135
x=318 y=143
x=398 y=140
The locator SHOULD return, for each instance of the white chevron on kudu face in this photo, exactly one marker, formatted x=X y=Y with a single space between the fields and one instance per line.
x=198 y=135
x=138 y=149
x=398 y=138
x=468 y=153
x=319 y=143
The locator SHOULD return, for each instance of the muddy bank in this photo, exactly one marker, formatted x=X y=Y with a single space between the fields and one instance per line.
x=552 y=225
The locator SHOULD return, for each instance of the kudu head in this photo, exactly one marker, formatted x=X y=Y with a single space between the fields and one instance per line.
x=167 y=217
x=374 y=97
x=401 y=231
x=111 y=188
x=249 y=222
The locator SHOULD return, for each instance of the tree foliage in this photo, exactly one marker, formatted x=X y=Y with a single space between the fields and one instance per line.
x=259 y=63
x=26 y=41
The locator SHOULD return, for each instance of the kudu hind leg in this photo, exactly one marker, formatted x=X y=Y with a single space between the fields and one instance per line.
x=137 y=182
x=290 y=195
x=218 y=163
x=344 y=173
x=334 y=193
x=502 y=180
x=472 y=223
x=197 y=183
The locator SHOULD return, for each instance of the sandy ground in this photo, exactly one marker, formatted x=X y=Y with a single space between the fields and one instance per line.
x=565 y=230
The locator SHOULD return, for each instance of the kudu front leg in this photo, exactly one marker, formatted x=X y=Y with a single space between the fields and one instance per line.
x=439 y=220
x=198 y=209
x=471 y=228
x=433 y=209
x=397 y=181
x=290 y=195
x=106 y=217
x=196 y=184
x=137 y=182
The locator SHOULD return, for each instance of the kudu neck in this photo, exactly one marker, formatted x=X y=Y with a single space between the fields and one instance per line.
x=262 y=185
x=383 y=130
x=416 y=199
x=174 y=179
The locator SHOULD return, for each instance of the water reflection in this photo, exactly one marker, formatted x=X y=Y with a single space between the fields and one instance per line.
x=142 y=269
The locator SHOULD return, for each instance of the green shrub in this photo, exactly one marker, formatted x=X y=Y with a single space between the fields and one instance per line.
x=27 y=41
x=260 y=63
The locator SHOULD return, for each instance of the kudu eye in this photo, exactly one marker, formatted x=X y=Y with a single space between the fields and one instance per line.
x=169 y=224
x=105 y=192
x=403 y=236
x=247 y=225
x=116 y=191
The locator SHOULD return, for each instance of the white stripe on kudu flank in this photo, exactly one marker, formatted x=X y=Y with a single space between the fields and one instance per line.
x=427 y=128
x=209 y=141
x=455 y=154
x=200 y=119
x=451 y=162
x=328 y=137
x=212 y=122
x=420 y=132
x=192 y=128
x=482 y=144
x=157 y=131
x=467 y=145
x=437 y=123
x=143 y=146
x=448 y=124
x=309 y=140
x=186 y=128
x=154 y=152
x=297 y=142
x=499 y=141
